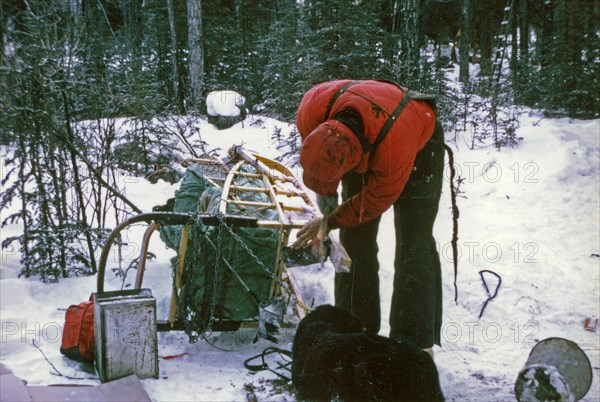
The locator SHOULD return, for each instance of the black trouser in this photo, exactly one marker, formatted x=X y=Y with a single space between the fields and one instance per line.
x=416 y=310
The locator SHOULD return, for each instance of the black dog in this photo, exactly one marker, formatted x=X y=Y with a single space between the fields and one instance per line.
x=333 y=359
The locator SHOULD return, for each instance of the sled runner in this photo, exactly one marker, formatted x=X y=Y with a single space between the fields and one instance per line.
x=230 y=224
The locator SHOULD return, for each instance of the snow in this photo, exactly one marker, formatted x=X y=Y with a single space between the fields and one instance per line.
x=529 y=214
x=224 y=103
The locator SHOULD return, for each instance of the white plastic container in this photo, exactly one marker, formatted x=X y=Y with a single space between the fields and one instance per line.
x=125 y=334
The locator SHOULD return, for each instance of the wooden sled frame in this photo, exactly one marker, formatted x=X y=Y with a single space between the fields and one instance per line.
x=279 y=184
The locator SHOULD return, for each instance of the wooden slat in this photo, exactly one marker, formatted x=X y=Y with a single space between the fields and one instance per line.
x=251 y=203
x=259 y=204
x=278 y=191
x=249 y=175
x=227 y=186
x=284 y=219
x=249 y=189
x=301 y=307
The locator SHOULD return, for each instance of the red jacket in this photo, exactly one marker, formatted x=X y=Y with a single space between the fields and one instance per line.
x=389 y=168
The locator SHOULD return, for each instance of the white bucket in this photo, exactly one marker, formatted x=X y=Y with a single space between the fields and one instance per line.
x=556 y=370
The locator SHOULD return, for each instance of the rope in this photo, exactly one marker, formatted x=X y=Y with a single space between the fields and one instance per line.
x=455 y=215
x=490 y=296
x=56 y=372
x=265 y=366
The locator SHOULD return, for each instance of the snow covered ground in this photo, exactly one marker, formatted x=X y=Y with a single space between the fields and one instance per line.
x=530 y=214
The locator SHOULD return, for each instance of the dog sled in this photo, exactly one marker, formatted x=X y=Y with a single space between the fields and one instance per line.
x=230 y=225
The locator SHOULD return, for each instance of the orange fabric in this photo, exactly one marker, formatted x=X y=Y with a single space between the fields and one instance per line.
x=327 y=154
x=389 y=168
x=78 y=333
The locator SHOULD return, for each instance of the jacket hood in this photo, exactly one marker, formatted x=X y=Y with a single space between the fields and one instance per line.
x=327 y=153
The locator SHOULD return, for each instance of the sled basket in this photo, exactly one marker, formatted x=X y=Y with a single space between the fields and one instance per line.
x=228 y=231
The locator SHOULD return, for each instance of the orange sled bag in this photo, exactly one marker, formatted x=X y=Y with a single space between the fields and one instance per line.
x=78 y=332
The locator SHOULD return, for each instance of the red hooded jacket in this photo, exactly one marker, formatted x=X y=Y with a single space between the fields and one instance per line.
x=389 y=168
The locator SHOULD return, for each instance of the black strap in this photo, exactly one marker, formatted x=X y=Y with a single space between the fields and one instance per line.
x=337 y=95
x=391 y=120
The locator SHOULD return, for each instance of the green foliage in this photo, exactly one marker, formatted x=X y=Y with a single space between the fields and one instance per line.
x=313 y=43
x=561 y=88
x=562 y=75
x=346 y=37
x=119 y=62
x=286 y=68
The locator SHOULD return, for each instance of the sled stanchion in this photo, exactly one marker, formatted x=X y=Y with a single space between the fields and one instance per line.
x=163 y=217
x=301 y=307
x=227 y=186
x=139 y=278
x=178 y=273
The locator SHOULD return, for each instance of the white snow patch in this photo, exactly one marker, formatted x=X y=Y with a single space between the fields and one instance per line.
x=530 y=214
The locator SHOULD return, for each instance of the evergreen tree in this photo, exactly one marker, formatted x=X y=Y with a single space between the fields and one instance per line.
x=285 y=67
x=57 y=237
x=346 y=35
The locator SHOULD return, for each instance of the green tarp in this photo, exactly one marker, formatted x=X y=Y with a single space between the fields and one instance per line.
x=209 y=287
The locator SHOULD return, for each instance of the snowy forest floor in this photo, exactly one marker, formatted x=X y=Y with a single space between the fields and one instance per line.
x=530 y=214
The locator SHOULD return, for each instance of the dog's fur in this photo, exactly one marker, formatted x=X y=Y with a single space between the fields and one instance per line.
x=332 y=358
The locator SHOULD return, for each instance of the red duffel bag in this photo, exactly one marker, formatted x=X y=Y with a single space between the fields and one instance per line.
x=78 y=332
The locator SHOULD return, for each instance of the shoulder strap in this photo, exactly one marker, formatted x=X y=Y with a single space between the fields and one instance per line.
x=391 y=120
x=416 y=95
x=336 y=96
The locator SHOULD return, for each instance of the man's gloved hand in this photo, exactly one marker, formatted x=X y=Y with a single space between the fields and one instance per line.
x=327 y=203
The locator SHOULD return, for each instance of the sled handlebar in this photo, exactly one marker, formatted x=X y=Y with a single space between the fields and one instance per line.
x=168 y=218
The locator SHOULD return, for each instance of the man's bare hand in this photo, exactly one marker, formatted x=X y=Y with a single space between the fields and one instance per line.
x=309 y=232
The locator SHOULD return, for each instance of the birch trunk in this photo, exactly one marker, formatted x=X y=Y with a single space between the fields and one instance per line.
x=196 y=51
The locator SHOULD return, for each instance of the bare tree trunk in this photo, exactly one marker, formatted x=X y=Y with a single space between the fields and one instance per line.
x=514 y=44
x=25 y=216
x=59 y=203
x=523 y=31
x=76 y=177
x=2 y=32
x=560 y=22
x=465 y=41
x=196 y=58
x=395 y=10
x=175 y=66
x=409 y=40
